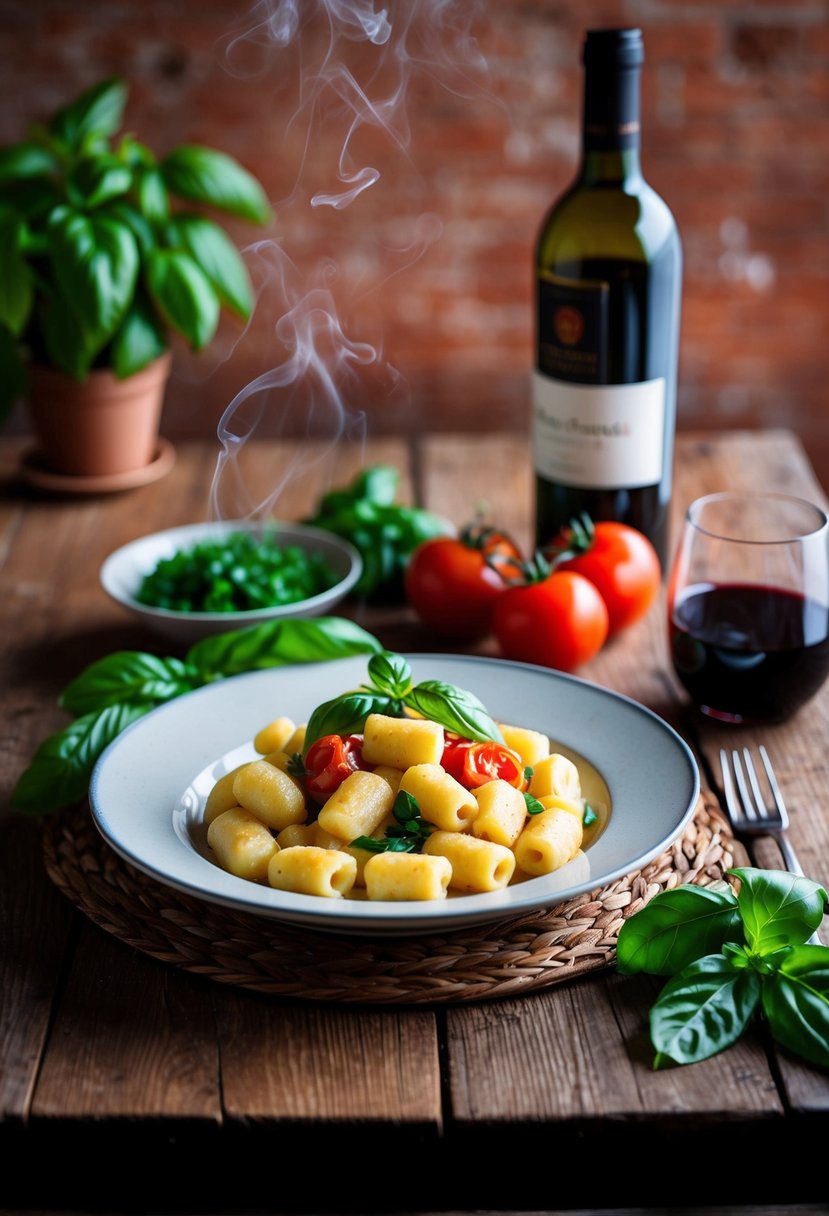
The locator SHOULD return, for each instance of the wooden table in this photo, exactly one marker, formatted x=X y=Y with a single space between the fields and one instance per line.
x=244 y=1102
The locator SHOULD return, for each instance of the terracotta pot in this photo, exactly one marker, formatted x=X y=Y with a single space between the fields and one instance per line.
x=101 y=425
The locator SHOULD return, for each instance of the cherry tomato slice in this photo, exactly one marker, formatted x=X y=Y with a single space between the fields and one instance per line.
x=329 y=761
x=454 y=754
x=483 y=762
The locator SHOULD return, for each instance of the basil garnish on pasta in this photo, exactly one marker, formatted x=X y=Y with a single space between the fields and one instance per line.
x=391 y=692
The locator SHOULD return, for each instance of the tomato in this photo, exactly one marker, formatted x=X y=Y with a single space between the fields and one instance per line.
x=452 y=586
x=474 y=764
x=619 y=560
x=485 y=762
x=555 y=620
x=329 y=761
x=454 y=753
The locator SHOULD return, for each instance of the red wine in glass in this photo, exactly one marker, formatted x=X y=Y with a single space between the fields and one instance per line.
x=749 y=652
x=748 y=605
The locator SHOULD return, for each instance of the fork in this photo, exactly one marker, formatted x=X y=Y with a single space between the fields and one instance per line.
x=748 y=810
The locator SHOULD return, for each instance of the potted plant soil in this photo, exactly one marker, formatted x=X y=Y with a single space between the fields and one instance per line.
x=107 y=253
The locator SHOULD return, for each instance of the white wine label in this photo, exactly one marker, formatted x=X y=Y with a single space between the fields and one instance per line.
x=598 y=436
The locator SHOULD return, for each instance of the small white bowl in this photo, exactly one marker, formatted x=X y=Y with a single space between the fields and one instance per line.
x=123 y=571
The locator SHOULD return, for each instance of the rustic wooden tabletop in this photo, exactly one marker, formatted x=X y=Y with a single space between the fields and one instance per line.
x=130 y=1082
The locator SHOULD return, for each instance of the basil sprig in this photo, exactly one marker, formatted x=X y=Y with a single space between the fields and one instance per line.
x=407 y=835
x=115 y=691
x=732 y=957
x=385 y=532
x=391 y=692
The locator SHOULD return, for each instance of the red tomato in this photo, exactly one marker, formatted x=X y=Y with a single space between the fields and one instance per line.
x=556 y=621
x=454 y=752
x=620 y=561
x=329 y=761
x=485 y=762
x=450 y=584
x=474 y=764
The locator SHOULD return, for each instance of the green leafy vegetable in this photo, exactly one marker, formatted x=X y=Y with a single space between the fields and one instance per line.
x=534 y=807
x=277 y=643
x=731 y=957
x=391 y=692
x=100 y=265
x=383 y=531
x=455 y=708
x=408 y=835
x=346 y=714
x=62 y=765
x=114 y=692
x=236 y=573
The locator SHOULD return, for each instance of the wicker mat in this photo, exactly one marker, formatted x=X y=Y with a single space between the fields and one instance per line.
x=507 y=958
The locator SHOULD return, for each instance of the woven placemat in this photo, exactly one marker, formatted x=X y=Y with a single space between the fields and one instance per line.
x=507 y=958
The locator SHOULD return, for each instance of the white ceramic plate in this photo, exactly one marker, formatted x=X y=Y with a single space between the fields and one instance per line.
x=149 y=786
x=122 y=573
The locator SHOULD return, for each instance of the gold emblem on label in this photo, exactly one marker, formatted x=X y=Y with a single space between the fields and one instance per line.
x=568 y=324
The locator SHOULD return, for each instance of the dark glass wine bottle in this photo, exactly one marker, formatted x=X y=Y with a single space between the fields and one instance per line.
x=609 y=279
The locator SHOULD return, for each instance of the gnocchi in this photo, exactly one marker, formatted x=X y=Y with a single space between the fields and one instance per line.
x=397 y=824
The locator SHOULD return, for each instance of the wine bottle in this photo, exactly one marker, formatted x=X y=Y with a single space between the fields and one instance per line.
x=608 y=273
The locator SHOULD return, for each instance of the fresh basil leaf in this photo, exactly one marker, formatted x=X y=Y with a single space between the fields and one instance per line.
x=16 y=283
x=219 y=259
x=406 y=836
x=151 y=194
x=390 y=673
x=406 y=807
x=95 y=260
x=454 y=708
x=276 y=643
x=65 y=341
x=61 y=767
x=127 y=676
x=135 y=153
x=534 y=807
x=676 y=927
x=385 y=844
x=98 y=112
x=372 y=844
x=796 y=1003
x=384 y=532
x=125 y=213
x=378 y=483
x=23 y=161
x=204 y=175
x=778 y=908
x=702 y=1010
x=96 y=180
x=139 y=340
x=344 y=715
x=588 y=815
x=183 y=295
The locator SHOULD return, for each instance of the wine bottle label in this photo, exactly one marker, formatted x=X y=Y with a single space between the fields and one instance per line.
x=573 y=328
x=598 y=436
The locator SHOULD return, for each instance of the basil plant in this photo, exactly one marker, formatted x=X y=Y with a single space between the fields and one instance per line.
x=106 y=249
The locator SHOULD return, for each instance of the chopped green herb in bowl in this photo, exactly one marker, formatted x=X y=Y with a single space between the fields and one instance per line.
x=202 y=579
x=236 y=573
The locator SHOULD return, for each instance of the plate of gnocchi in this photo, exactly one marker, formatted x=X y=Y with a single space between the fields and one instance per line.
x=394 y=795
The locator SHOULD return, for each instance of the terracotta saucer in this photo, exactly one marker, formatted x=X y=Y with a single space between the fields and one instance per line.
x=34 y=471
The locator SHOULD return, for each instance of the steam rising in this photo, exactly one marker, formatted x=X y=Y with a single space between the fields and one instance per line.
x=352 y=68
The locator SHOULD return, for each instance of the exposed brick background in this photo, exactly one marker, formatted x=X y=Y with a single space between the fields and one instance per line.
x=423 y=283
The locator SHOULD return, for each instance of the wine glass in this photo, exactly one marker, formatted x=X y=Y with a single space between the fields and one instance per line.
x=748 y=605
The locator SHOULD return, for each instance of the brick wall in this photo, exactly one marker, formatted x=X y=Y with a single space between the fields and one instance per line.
x=469 y=113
